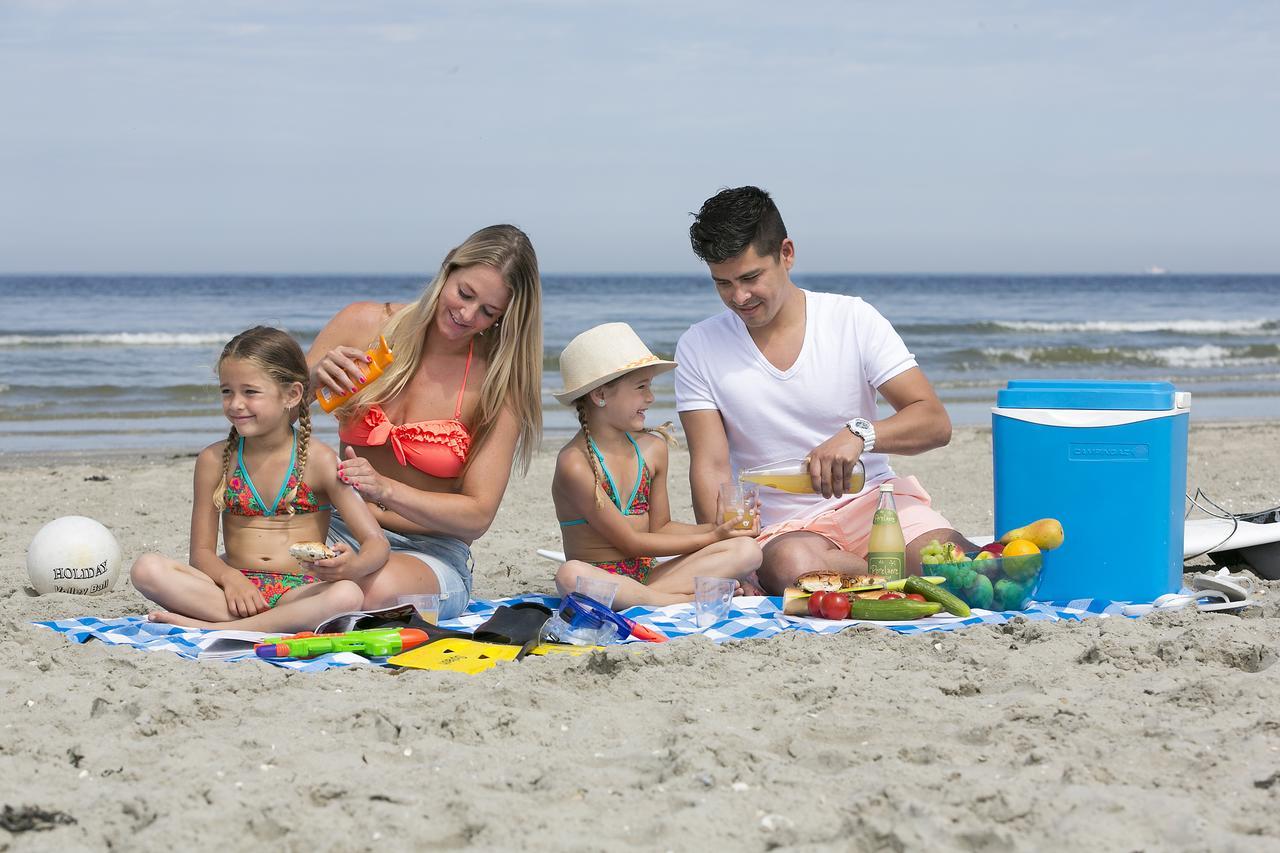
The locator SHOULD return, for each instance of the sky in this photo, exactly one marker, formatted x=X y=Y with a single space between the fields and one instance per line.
x=349 y=137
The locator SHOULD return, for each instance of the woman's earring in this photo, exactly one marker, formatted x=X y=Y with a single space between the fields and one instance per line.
x=600 y=403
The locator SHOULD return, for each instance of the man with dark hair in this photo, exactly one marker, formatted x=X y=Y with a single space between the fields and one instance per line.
x=789 y=373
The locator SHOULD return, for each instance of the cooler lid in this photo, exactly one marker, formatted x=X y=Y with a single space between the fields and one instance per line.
x=1088 y=394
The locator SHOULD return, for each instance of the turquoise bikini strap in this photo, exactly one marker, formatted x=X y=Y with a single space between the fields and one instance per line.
x=639 y=473
x=613 y=487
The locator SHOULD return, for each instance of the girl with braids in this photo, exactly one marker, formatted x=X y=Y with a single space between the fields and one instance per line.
x=429 y=443
x=610 y=485
x=255 y=584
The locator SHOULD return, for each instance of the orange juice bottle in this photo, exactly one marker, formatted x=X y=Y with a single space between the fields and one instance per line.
x=887 y=551
x=792 y=475
x=379 y=357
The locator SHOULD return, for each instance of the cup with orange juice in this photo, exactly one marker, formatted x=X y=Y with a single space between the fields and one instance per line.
x=739 y=504
x=792 y=475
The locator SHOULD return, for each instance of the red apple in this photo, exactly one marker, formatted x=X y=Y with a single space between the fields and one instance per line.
x=995 y=548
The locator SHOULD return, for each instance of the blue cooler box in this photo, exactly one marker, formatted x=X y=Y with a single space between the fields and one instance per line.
x=1108 y=460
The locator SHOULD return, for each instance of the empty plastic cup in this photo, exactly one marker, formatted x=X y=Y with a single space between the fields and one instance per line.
x=426 y=605
x=712 y=599
x=597 y=589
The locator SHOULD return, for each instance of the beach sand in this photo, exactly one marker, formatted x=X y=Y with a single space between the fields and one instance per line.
x=1112 y=734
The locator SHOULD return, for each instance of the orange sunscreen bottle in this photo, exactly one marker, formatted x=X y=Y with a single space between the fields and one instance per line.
x=379 y=358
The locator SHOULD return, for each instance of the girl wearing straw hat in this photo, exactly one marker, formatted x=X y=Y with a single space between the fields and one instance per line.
x=610 y=485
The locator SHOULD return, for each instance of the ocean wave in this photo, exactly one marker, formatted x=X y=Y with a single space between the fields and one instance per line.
x=118 y=339
x=1185 y=327
x=1206 y=355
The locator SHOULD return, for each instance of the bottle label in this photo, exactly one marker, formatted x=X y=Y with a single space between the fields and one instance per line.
x=889 y=565
x=885 y=516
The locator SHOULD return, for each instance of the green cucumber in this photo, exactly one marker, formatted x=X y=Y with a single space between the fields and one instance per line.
x=900 y=583
x=893 y=610
x=949 y=602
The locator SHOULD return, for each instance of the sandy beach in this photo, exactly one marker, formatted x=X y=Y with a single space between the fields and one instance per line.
x=1112 y=734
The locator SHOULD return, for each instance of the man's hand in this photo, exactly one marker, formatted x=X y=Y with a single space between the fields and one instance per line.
x=831 y=463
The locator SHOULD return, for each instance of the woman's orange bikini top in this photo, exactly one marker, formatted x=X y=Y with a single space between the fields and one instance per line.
x=437 y=448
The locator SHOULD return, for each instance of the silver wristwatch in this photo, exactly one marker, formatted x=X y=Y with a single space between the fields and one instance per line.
x=865 y=430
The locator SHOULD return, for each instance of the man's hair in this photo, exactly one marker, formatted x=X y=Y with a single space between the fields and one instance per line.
x=733 y=219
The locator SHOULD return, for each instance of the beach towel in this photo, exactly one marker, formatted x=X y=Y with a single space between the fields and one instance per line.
x=752 y=618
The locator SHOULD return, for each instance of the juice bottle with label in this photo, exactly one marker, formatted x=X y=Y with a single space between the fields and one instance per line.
x=379 y=358
x=887 y=552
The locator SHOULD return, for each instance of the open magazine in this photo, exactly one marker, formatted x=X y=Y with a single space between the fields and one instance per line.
x=222 y=645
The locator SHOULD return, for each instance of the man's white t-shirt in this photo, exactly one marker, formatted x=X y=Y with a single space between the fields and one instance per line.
x=769 y=415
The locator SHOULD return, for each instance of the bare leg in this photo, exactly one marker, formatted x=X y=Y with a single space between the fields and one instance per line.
x=672 y=581
x=403 y=574
x=299 y=609
x=729 y=558
x=180 y=588
x=791 y=555
x=942 y=534
x=630 y=591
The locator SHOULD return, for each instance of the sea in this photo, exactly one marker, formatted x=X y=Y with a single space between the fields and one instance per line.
x=91 y=362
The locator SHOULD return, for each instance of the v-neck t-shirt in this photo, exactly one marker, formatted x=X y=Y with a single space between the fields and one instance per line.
x=769 y=415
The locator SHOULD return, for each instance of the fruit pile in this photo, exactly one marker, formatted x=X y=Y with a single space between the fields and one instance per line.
x=1001 y=576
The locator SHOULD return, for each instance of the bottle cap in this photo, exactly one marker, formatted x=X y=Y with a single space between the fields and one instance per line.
x=886 y=487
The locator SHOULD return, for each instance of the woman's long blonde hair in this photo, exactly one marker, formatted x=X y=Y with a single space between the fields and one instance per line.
x=512 y=347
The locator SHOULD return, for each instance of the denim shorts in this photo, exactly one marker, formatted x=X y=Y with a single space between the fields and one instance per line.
x=449 y=558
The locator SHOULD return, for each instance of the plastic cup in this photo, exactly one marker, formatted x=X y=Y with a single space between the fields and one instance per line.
x=427 y=606
x=738 y=504
x=597 y=589
x=712 y=599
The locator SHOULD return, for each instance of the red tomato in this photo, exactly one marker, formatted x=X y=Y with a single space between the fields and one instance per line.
x=835 y=606
x=815 y=602
x=890 y=596
x=915 y=596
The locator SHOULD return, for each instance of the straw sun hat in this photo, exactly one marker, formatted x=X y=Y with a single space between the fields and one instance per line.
x=600 y=355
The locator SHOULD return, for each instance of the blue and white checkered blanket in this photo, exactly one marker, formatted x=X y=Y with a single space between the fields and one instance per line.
x=751 y=618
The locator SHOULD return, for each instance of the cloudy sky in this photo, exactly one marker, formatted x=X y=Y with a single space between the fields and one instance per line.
x=295 y=136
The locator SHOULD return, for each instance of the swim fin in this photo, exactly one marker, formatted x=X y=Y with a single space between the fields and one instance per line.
x=456 y=654
x=459 y=654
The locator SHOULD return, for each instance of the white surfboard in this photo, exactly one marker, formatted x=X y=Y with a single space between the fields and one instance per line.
x=1210 y=535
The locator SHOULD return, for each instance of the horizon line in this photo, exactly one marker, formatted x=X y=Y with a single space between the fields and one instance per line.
x=654 y=274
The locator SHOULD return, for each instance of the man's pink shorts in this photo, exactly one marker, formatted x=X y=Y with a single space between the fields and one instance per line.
x=848 y=526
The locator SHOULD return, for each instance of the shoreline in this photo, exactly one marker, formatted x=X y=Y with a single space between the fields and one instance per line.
x=551 y=441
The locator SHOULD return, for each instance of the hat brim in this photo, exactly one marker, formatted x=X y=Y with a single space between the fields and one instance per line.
x=566 y=396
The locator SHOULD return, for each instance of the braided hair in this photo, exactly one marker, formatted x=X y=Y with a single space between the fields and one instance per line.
x=581 y=405
x=277 y=355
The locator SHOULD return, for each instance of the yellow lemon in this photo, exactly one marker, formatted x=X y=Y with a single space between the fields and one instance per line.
x=1019 y=548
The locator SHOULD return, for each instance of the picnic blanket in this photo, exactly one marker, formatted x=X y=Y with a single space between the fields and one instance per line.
x=752 y=617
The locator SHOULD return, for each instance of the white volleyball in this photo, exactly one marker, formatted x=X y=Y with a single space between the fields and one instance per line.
x=73 y=554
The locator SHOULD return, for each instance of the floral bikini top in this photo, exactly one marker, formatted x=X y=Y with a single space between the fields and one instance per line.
x=437 y=448
x=638 y=503
x=241 y=496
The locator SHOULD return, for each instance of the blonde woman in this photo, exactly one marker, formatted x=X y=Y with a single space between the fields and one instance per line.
x=429 y=444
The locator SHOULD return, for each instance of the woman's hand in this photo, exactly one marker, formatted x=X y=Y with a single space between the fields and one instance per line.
x=341 y=370
x=243 y=598
x=341 y=567
x=357 y=473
